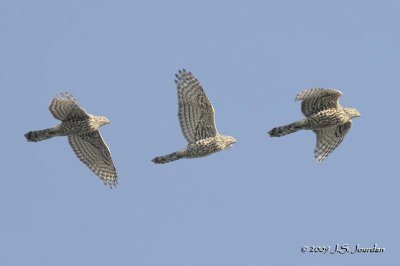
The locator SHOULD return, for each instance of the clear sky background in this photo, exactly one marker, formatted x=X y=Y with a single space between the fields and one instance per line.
x=255 y=204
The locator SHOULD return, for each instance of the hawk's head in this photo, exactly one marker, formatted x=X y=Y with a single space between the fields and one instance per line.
x=102 y=120
x=351 y=112
x=229 y=141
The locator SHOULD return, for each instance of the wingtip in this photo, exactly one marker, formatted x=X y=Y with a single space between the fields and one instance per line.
x=111 y=184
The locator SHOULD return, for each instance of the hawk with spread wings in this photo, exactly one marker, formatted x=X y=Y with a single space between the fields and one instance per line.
x=324 y=116
x=197 y=120
x=83 y=134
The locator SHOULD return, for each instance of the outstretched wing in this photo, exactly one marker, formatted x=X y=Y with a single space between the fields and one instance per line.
x=65 y=107
x=93 y=151
x=328 y=139
x=318 y=99
x=195 y=112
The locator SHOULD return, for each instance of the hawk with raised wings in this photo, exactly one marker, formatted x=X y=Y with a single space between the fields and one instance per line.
x=83 y=134
x=196 y=117
x=324 y=116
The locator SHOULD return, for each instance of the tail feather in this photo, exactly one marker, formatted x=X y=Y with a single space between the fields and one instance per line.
x=287 y=129
x=169 y=157
x=40 y=135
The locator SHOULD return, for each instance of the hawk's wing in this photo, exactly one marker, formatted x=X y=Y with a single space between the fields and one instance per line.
x=328 y=139
x=318 y=99
x=196 y=114
x=93 y=151
x=65 y=107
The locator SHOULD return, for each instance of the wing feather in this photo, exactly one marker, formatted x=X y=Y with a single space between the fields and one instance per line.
x=65 y=107
x=328 y=139
x=93 y=151
x=195 y=111
x=318 y=99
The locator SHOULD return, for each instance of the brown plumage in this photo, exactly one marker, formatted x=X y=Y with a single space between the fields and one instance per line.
x=324 y=116
x=83 y=134
x=196 y=117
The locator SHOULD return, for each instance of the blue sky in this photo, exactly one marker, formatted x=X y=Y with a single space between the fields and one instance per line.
x=255 y=204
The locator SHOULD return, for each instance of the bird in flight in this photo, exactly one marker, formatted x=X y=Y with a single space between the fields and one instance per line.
x=196 y=117
x=324 y=116
x=83 y=134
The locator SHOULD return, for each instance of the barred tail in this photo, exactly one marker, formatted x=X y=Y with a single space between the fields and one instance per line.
x=287 y=129
x=40 y=135
x=170 y=157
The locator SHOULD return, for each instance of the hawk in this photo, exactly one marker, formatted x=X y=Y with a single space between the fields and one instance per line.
x=196 y=117
x=324 y=116
x=83 y=134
